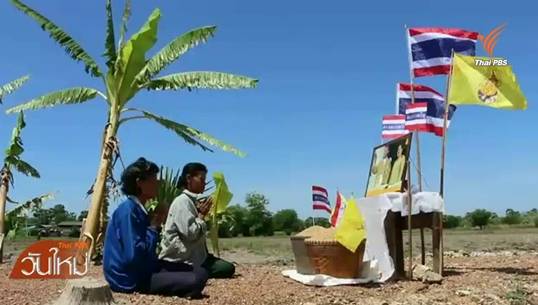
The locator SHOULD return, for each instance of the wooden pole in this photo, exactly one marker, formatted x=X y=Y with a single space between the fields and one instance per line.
x=445 y=123
x=409 y=222
x=4 y=187
x=439 y=222
x=417 y=139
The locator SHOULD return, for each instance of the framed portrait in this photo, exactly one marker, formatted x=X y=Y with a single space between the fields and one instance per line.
x=388 y=167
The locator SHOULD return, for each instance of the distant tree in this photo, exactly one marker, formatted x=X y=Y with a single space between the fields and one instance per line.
x=480 y=218
x=451 y=221
x=83 y=214
x=528 y=218
x=287 y=221
x=495 y=219
x=512 y=217
x=319 y=221
x=536 y=221
x=239 y=215
x=61 y=214
x=43 y=216
x=259 y=218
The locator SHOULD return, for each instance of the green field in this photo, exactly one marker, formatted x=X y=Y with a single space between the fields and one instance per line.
x=278 y=248
x=454 y=240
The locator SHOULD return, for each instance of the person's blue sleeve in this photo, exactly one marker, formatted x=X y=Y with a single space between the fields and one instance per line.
x=139 y=241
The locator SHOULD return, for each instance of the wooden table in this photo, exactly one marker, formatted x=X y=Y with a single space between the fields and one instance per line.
x=395 y=223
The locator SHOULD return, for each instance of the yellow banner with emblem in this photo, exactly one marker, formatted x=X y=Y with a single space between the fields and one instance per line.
x=484 y=81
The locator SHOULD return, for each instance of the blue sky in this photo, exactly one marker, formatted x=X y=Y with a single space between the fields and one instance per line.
x=327 y=74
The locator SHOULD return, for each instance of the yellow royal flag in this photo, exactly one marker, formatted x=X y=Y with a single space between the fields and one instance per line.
x=484 y=81
x=350 y=231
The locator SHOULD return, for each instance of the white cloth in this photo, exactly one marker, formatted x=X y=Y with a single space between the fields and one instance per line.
x=374 y=210
x=425 y=202
x=369 y=274
x=379 y=265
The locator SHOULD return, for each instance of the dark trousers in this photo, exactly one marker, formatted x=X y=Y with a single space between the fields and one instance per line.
x=178 y=279
x=218 y=268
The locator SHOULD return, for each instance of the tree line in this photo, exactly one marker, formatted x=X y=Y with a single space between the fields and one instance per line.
x=481 y=218
x=253 y=218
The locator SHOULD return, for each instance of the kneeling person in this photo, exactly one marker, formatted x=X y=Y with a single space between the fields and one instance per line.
x=184 y=233
x=130 y=259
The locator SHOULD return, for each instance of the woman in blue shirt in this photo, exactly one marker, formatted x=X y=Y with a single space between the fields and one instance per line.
x=130 y=260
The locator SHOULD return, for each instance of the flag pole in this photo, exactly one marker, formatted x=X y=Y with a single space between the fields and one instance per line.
x=439 y=221
x=445 y=123
x=409 y=222
x=417 y=138
x=412 y=79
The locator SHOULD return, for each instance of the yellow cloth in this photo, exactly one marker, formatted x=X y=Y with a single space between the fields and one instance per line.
x=350 y=232
x=397 y=171
x=492 y=85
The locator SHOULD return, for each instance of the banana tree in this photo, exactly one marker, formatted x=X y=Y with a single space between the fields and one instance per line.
x=14 y=216
x=127 y=73
x=12 y=86
x=168 y=189
x=12 y=161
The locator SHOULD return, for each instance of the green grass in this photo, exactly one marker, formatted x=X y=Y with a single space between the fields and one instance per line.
x=454 y=240
x=279 y=246
x=518 y=295
x=274 y=246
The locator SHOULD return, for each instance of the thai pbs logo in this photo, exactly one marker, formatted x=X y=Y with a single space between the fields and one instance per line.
x=489 y=42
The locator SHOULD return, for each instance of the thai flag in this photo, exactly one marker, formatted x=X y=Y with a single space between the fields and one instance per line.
x=394 y=126
x=321 y=199
x=415 y=117
x=435 y=105
x=431 y=48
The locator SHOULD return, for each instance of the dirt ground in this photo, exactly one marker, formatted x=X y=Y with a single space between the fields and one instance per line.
x=507 y=277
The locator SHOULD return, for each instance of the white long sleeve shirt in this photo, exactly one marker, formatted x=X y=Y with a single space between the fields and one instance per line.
x=184 y=234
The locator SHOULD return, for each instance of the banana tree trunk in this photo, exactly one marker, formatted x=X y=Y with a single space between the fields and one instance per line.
x=4 y=187
x=90 y=232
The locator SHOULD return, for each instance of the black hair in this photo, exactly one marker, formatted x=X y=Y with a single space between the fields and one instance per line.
x=190 y=169
x=141 y=169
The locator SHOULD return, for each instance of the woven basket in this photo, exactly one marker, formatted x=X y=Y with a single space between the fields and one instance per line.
x=331 y=258
x=302 y=261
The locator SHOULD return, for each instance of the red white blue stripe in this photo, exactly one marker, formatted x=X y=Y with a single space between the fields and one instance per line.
x=430 y=48
x=394 y=126
x=320 y=199
x=435 y=106
x=415 y=117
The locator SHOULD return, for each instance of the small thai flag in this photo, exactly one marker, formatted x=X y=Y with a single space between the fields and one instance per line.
x=435 y=105
x=431 y=48
x=415 y=117
x=394 y=126
x=321 y=199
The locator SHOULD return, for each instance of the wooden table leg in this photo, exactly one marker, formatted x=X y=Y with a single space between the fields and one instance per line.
x=422 y=248
x=393 y=232
x=436 y=243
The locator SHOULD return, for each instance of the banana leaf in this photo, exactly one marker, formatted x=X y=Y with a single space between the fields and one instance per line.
x=168 y=188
